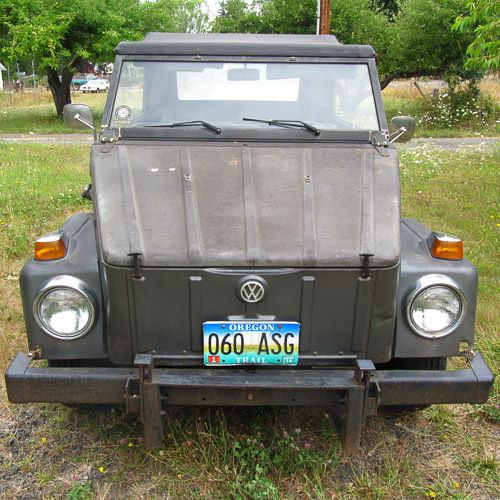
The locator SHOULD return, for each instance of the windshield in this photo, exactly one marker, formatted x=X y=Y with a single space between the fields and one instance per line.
x=329 y=96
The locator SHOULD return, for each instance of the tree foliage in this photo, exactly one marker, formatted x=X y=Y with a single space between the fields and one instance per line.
x=263 y=16
x=237 y=16
x=421 y=42
x=59 y=34
x=484 y=18
x=353 y=21
x=389 y=6
x=288 y=16
x=411 y=37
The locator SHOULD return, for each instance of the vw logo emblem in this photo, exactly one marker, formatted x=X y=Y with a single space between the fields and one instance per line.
x=252 y=290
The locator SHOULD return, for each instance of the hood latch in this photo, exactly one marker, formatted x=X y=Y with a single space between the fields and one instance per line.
x=136 y=261
x=365 y=264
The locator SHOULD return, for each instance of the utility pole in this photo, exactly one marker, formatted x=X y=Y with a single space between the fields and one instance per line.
x=318 y=16
x=324 y=17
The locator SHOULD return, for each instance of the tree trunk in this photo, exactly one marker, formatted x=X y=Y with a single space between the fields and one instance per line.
x=388 y=79
x=60 y=88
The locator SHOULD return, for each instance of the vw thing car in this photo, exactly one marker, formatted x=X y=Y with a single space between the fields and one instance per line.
x=246 y=246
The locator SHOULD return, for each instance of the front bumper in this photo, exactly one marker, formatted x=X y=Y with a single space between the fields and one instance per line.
x=204 y=386
x=352 y=393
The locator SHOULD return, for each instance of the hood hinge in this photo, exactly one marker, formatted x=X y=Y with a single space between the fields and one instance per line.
x=380 y=139
x=110 y=136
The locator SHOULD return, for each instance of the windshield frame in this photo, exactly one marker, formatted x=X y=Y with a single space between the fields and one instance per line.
x=244 y=132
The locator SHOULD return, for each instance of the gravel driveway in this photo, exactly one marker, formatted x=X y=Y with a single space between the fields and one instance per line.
x=454 y=143
x=47 y=138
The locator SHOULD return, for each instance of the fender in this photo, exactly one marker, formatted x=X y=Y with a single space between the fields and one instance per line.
x=81 y=261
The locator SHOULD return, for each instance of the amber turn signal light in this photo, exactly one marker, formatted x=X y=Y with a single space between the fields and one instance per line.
x=446 y=247
x=50 y=247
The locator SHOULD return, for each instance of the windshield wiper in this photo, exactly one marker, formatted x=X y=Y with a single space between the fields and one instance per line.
x=217 y=130
x=287 y=123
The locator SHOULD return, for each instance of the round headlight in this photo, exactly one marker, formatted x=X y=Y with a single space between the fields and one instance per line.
x=435 y=307
x=64 y=308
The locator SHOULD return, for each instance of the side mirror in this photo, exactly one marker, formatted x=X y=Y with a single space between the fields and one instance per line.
x=401 y=128
x=79 y=117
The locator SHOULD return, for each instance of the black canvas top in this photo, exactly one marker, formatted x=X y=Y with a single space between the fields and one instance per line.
x=243 y=44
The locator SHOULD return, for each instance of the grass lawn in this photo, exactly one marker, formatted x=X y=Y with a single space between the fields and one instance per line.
x=441 y=452
x=35 y=112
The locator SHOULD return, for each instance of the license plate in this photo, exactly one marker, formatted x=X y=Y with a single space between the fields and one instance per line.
x=230 y=343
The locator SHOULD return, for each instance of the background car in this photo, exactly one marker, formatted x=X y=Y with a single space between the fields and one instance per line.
x=81 y=79
x=97 y=85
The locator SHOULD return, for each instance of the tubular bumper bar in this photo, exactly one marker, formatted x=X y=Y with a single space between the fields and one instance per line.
x=26 y=384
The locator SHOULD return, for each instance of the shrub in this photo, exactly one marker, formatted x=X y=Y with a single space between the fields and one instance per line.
x=461 y=105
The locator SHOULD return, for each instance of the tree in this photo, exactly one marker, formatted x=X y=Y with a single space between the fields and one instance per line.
x=289 y=16
x=60 y=34
x=411 y=37
x=352 y=21
x=421 y=42
x=389 y=6
x=237 y=16
x=484 y=51
x=357 y=22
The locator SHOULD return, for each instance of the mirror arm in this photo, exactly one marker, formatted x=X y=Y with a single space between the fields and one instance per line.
x=89 y=125
x=396 y=135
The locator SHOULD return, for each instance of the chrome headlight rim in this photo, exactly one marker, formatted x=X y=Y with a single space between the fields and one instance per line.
x=66 y=282
x=435 y=281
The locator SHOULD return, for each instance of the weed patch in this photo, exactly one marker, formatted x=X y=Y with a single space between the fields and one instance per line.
x=80 y=491
x=461 y=110
x=461 y=106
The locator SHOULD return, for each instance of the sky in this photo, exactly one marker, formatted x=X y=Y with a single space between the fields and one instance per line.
x=212 y=8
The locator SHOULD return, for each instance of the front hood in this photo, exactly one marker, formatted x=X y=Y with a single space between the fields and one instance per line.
x=236 y=205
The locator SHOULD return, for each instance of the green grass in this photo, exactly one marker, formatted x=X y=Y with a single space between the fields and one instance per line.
x=447 y=451
x=36 y=185
x=398 y=105
x=35 y=112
